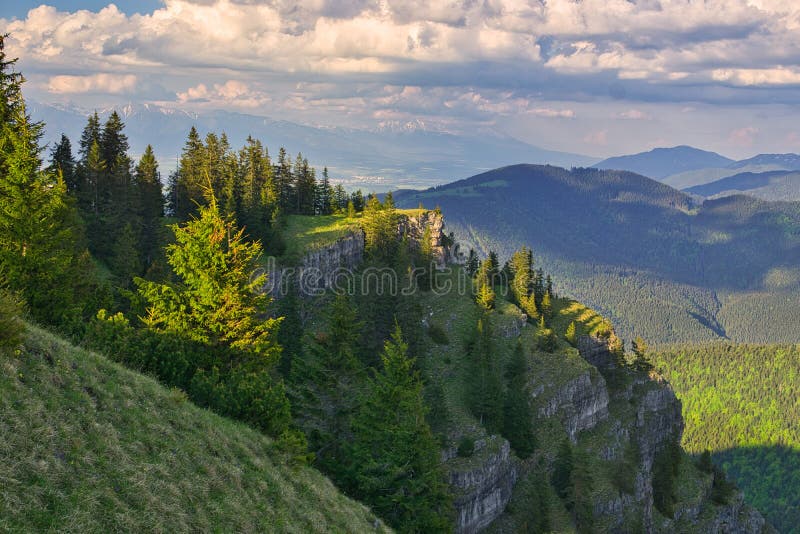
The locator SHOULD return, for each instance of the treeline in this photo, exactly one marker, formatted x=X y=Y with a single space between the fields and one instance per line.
x=740 y=402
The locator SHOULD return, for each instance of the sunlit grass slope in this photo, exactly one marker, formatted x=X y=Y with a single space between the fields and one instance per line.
x=89 y=446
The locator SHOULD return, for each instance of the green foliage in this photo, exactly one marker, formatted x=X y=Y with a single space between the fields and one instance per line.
x=517 y=412
x=12 y=328
x=395 y=457
x=379 y=222
x=546 y=339
x=484 y=291
x=38 y=227
x=90 y=446
x=217 y=299
x=740 y=402
x=437 y=334
x=665 y=470
x=570 y=335
x=466 y=447
x=561 y=478
x=485 y=387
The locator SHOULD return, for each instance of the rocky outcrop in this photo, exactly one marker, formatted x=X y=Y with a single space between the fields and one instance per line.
x=329 y=267
x=333 y=266
x=484 y=486
x=414 y=227
x=581 y=403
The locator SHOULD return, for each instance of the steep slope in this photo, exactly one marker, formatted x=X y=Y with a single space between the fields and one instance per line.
x=619 y=423
x=88 y=446
x=772 y=185
x=662 y=162
x=645 y=255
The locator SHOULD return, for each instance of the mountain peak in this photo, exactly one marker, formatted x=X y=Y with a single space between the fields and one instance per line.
x=665 y=161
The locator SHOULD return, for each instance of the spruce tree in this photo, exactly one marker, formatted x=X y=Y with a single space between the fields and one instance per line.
x=151 y=205
x=472 y=262
x=38 y=232
x=395 y=457
x=571 y=336
x=561 y=479
x=484 y=292
x=485 y=391
x=216 y=299
x=187 y=183
x=62 y=161
x=517 y=413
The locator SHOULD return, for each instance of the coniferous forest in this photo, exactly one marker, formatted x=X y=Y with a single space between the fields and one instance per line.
x=148 y=379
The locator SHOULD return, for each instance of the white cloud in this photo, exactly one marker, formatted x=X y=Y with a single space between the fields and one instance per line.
x=634 y=115
x=94 y=83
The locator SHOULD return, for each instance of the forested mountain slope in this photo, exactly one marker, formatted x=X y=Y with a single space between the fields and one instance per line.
x=771 y=185
x=656 y=262
x=89 y=446
x=741 y=403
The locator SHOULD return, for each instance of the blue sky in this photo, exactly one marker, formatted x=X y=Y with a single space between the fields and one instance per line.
x=19 y=8
x=599 y=77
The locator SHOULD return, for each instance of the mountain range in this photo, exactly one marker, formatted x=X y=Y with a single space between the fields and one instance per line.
x=393 y=155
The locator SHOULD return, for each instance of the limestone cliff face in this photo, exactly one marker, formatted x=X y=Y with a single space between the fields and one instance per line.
x=414 y=228
x=325 y=268
x=331 y=266
x=482 y=485
x=580 y=404
x=647 y=413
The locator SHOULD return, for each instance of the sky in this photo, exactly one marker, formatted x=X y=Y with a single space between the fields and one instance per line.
x=596 y=77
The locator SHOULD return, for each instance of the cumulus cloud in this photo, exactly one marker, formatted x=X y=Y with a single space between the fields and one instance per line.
x=94 y=83
x=433 y=60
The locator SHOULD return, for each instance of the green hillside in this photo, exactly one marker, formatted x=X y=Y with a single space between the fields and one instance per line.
x=741 y=403
x=647 y=256
x=89 y=446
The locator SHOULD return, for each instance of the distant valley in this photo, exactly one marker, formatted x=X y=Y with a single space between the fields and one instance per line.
x=661 y=263
x=394 y=155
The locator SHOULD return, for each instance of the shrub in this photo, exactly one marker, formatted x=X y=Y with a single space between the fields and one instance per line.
x=466 y=447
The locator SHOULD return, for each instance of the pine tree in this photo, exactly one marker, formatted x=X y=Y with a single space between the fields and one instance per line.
x=324 y=195
x=547 y=307
x=187 y=183
x=341 y=199
x=484 y=292
x=485 y=391
x=124 y=260
x=283 y=184
x=395 y=458
x=517 y=413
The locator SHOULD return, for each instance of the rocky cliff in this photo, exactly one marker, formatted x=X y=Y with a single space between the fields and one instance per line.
x=482 y=483
x=332 y=266
x=622 y=421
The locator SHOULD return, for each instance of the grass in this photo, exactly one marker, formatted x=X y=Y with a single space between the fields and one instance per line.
x=304 y=233
x=89 y=446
